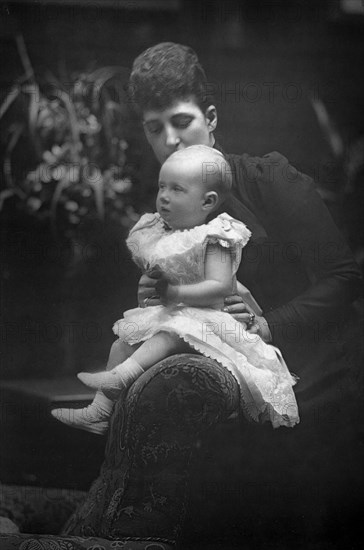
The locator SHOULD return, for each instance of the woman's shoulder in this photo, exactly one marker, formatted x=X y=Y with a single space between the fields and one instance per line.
x=247 y=160
x=274 y=184
x=271 y=170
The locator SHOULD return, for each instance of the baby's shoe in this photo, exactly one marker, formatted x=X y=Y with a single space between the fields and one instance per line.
x=91 y=419
x=8 y=527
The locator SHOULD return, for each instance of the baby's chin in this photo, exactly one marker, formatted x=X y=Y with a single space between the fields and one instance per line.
x=171 y=226
x=175 y=226
x=166 y=223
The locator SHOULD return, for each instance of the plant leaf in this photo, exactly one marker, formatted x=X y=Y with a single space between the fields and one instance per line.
x=98 y=187
x=101 y=76
x=34 y=106
x=7 y=193
x=9 y=99
x=61 y=185
x=17 y=132
x=24 y=56
x=76 y=142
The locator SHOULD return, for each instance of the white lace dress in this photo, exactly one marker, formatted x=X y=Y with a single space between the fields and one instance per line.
x=264 y=380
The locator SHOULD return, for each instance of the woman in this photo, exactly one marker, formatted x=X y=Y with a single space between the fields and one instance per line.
x=298 y=268
x=297 y=265
x=300 y=271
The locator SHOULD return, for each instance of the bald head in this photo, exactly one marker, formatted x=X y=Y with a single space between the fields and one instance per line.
x=206 y=166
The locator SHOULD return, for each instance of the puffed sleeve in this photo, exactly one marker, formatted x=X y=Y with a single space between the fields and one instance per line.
x=292 y=203
x=229 y=233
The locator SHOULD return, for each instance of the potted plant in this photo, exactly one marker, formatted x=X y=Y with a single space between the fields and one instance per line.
x=70 y=182
x=66 y=150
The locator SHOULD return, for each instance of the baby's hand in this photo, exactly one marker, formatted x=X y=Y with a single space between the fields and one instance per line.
x=147 y=294
x=168 y=293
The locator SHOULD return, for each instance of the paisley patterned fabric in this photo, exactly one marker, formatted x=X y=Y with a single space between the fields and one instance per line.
x=38 y=509
x=139 y=500
x=32 y=542
x=154 y=434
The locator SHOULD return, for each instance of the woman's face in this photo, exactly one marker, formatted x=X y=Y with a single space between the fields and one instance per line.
x=179 y=126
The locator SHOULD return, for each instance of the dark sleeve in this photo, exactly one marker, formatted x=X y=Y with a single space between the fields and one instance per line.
x=292 y=204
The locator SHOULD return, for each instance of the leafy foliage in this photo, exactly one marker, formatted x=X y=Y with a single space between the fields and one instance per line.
x=66 y=148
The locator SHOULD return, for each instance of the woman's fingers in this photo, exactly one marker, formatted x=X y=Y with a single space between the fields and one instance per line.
x=146 y=299
x=234 y=309
x=235 y=306
x=154 y=273
x=147 y=294
x=152 y=301
x=241 y=317
x=233 y=299
x=254 y=329
x=147 y=281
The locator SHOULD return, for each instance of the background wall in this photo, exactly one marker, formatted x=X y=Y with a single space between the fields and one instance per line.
x=266 y=62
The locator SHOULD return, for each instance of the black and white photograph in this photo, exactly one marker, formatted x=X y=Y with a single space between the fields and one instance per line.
x=182 y=257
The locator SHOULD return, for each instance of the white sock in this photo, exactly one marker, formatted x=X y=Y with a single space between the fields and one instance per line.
x=103 y=403
x=120 y=377
x=128 y=371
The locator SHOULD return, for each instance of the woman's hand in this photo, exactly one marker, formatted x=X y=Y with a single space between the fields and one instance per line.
x=260 y=326
x=147 y=293
x=237 y=308
x=255 y=324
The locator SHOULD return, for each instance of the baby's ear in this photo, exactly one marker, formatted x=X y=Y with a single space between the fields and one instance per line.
x=210 y=200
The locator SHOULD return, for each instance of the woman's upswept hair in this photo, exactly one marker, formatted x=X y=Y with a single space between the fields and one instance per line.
x=165 y=73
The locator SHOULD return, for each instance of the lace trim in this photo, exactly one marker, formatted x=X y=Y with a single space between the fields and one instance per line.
x=253 y=406
x=223 y=229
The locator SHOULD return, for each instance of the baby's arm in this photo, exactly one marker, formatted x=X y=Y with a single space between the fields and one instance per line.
x=217 y=284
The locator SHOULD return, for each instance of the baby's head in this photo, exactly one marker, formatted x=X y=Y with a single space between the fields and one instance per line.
x=193 y=183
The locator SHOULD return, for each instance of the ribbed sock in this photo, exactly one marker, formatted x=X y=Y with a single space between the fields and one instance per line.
x=120 y=377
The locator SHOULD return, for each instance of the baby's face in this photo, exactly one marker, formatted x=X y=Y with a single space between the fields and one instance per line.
x=181 y=195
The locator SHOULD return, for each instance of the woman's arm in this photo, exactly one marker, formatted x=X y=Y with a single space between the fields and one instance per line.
x=297 y=212
x=210 y=292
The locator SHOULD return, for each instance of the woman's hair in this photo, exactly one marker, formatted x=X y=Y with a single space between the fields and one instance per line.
x=165 y=73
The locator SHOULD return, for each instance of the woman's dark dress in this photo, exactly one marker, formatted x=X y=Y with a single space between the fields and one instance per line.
x=300 y=270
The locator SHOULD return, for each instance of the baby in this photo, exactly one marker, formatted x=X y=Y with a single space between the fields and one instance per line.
x=197 y=261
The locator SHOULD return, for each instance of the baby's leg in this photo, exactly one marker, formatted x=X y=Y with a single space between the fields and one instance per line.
x=94 y=418
x=160 y=346
x=101 y=404
x=119 y=351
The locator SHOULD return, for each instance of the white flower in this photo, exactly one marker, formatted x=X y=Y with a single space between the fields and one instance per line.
x=72 y=206
x=59 y=172
x=122 y=186
x=34 y=203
